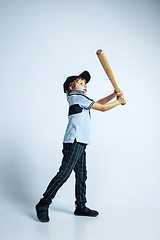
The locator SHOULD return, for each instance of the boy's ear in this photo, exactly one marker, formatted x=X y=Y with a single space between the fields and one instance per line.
x=71 y=88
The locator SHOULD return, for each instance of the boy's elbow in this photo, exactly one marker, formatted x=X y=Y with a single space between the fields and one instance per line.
x=103 y=109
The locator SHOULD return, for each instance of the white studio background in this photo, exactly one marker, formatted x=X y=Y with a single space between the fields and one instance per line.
x=42 y=43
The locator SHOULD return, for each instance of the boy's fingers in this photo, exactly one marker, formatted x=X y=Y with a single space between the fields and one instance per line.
x=119 y=94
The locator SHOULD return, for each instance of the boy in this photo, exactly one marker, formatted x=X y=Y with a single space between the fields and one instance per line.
x=75 y=140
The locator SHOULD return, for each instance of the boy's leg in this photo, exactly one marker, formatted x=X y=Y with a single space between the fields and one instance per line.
x=81 y=177
x=72 y=152
x=80 y=189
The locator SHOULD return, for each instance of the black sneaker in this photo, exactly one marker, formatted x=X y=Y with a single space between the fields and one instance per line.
x=42 y=212
x=85 y=212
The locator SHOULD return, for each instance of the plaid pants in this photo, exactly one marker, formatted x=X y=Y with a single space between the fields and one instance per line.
x=74 y=158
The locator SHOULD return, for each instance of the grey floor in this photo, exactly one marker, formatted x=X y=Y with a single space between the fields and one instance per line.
x=20 y=222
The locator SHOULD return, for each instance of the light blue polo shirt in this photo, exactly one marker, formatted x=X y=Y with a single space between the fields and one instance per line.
x=78 y=118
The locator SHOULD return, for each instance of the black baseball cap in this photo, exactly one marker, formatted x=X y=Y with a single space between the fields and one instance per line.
x=86 y=75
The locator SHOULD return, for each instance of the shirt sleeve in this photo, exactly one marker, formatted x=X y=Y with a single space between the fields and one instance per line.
x=86 y=102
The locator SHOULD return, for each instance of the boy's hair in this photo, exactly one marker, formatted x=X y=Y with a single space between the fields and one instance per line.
x=73 y=84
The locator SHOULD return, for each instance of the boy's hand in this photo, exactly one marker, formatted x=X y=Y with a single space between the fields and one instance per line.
x=121 y=98
x=118 y=93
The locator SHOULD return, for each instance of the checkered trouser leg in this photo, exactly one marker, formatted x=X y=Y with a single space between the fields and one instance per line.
x=73 y=159
x=81 y=177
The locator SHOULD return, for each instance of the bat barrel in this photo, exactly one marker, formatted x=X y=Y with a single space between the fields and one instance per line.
x=108 y=70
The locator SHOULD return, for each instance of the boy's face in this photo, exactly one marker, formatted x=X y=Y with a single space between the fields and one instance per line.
x=81 y=86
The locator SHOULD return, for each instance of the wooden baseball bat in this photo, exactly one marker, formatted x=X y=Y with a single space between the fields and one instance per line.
x=108 y=70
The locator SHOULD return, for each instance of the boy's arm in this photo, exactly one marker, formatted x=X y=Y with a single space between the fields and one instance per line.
x=107 y=99
x=110 y=97
x=105 y=107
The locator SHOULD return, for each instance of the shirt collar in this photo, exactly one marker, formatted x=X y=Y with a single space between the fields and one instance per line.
x=77 y=92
